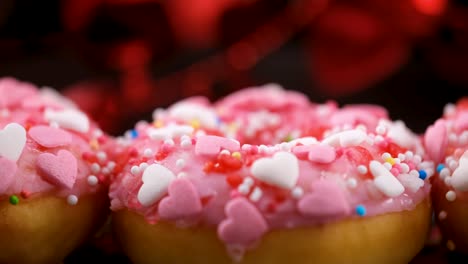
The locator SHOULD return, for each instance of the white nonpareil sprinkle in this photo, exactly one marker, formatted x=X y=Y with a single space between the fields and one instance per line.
x=248 y=181
x=445 y=172
x=225 y=152
x=243 y=189
x=404 y=168
x=181 y=175
x=387 y=165
x=169 y=142
x=256 y=194
x=448 y=181
x=95 y=168
x=148 y=152
x=143 y=166
x=450 y=196
x=135 y=170
x=180 y=163
x=386 y=155
x=297 y=192
x=380 y=129
x=442 y=215
x=102 y=156
x=185 y=143
x=111 y=165
x=352 y=183
x=362 y=169
x=449 y=109
x=401 y=157
x=72 y=199
x=92 y=180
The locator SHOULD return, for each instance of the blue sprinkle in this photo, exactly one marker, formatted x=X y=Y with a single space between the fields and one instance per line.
x=361 y=210
x=440 y=167
x=422 y=174
x=133 y=133
x=218 y=121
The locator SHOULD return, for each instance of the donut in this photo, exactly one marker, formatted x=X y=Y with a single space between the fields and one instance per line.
x=53 y=174
x=265 y=176
x=446 y=142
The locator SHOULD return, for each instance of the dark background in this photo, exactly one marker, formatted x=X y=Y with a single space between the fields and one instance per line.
x=35 y=46
x=102 y=61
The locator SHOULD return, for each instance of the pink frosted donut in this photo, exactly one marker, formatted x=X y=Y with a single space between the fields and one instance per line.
x=325 y=184
x=53 y=174
x=446 y=142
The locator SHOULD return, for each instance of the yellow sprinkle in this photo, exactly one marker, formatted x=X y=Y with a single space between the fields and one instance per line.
x=390 y=160
x=195 y=123
x=94 y=144
x=157 y=124
x=450 y=245
x=232 y=127
x=236 y=155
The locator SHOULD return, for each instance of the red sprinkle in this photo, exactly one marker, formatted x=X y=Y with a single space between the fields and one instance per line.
x=234 y=180
x=25 y=193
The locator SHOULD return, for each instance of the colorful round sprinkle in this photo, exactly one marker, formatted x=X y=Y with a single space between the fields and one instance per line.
x=440 y=167
x=14 y=200
x=361 y=210
x=422 y=174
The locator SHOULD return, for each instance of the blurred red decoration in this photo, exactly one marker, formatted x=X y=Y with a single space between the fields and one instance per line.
x=352 y=45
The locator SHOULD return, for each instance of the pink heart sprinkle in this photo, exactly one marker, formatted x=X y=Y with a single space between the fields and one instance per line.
x=7 y=173
x=212 y=145
x=461 y=122
x=60 y=169
x=301 y=151
x=183 y=201
x=244 y=224
x=50 y=137
x=322 y=153
x=325 y=200
x=436 y=140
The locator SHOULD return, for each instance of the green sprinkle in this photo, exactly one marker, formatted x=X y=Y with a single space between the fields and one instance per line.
x=288 y=138
x=14 y=200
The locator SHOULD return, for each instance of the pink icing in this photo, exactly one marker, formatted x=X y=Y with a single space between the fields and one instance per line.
x=182 y=201
x=321 y=154
x=447 y=143
x=250 y=190
x=54 y=158
x=50 y=137
x=243 y=225
x=60 y=169
x=436 y=140
x=212 y=145
x=7 y=173
x=325 y=201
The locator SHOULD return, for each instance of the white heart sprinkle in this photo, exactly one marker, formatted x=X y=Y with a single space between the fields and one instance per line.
x=68 y=118
x=401 y=134
x=191 y=111
x=12 y=141
x=411 y=182
x=281 y=170
x=346 y=138
x=156 y=179
x=384 y=180
x=460 y=174
x=170 y=131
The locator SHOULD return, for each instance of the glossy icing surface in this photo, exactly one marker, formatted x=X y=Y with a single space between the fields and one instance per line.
x=47 y=145
x=266 y=158
x=446 y=142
